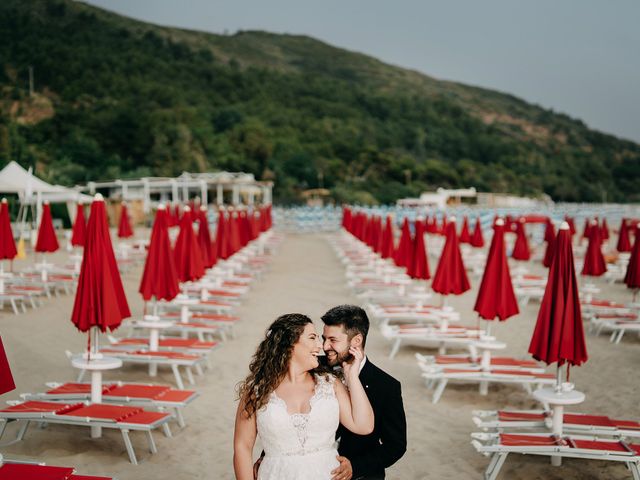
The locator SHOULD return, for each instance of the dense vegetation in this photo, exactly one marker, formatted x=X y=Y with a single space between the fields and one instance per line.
x=117 y=98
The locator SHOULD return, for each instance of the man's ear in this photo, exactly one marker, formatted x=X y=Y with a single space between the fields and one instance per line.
x=356 y=341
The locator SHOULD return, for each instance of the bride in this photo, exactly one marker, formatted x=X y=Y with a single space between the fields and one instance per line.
x=294 y=408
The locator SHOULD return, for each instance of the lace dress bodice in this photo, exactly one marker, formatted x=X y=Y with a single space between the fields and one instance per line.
x=300 y=445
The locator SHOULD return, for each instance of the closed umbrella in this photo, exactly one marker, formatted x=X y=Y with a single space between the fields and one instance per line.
x=477 y=240
x=8 y=249
x=558 y=336
x=124 y=226
x=6 y=378
x=387 y=247
x=159 y=277
x=632 y=277
x=221 y=235
x=419 y=266
x=549 y=234
x=465 y=237
x=204 y=238
x=594 y=264
x=79 y=230
x=624 y=243
x=47 y=241
x=451 y=276
x=521 y=247
x=100 y=301
x=186 y=252
x=403 y=252
x=604 y=231
x=495 y=295
x=571 y=223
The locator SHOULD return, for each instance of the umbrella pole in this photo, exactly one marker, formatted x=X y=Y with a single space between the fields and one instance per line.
x=558 y=378
x=155 y=307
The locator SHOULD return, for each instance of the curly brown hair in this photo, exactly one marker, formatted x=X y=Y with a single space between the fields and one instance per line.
x=270 y=362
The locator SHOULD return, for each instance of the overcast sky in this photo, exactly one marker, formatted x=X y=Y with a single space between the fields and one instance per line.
x=580 y=57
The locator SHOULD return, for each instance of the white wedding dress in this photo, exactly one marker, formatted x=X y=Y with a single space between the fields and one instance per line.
x=302 y=445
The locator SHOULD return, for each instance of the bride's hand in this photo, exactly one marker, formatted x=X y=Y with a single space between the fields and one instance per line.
x=352 y=369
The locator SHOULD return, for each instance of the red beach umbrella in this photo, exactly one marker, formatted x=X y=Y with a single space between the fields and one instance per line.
x=477 y=240
x=604 y=230
x=585 y=230
x=624 y=243
x=571 y=223
x=234 y=233
x=548 y=251
x=558 y=335
x=451 y=276
x=47 y=240
x=221 y=236
x=187 y=251
x=632 y=277
x=159 y=278
x=495 y=295
x=100 y=300
x=549 y=231
x=465 y=237
x=521 y=247
x=346 y=213
x=594 y=264
x=6 y=379
x=79 y=230
x=124 y=226
x=419 y=266
x=403 y=252
x=387 y=247
x=204 y=238
x=8 y=249
x=443 y=226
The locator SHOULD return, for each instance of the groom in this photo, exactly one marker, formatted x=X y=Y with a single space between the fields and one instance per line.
x=365 y=457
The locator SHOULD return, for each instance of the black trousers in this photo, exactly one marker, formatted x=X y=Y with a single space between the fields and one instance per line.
x=375 y=476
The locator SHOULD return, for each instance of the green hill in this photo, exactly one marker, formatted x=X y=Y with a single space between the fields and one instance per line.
x=115 y=97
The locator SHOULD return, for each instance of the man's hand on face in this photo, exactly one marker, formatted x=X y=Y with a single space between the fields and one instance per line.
x=343 y=471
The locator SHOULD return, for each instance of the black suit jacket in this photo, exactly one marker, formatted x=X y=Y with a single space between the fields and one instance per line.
x=371 y=454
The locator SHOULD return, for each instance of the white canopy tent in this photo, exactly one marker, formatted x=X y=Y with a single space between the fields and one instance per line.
x=14 y=179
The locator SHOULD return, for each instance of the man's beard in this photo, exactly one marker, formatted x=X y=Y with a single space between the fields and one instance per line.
x=339 y=358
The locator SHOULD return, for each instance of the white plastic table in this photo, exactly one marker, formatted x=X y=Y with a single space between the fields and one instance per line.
x=154 y=325
x=96 y=365
x=184 y=302
x=485 y=347
x=557 y=400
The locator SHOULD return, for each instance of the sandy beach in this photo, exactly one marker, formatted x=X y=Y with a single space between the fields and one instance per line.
x=305 y=276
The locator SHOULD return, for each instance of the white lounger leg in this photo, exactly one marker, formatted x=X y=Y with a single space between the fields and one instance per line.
x=199 y=369
x=178 y=377
x=437 y=393
x=484 y=388
x=192 y=381
x=180 y=417
x=152 y=443
x=166 y=430
x=497 y=460
x=127 y=444
x=635 y=471
x=395 y=348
